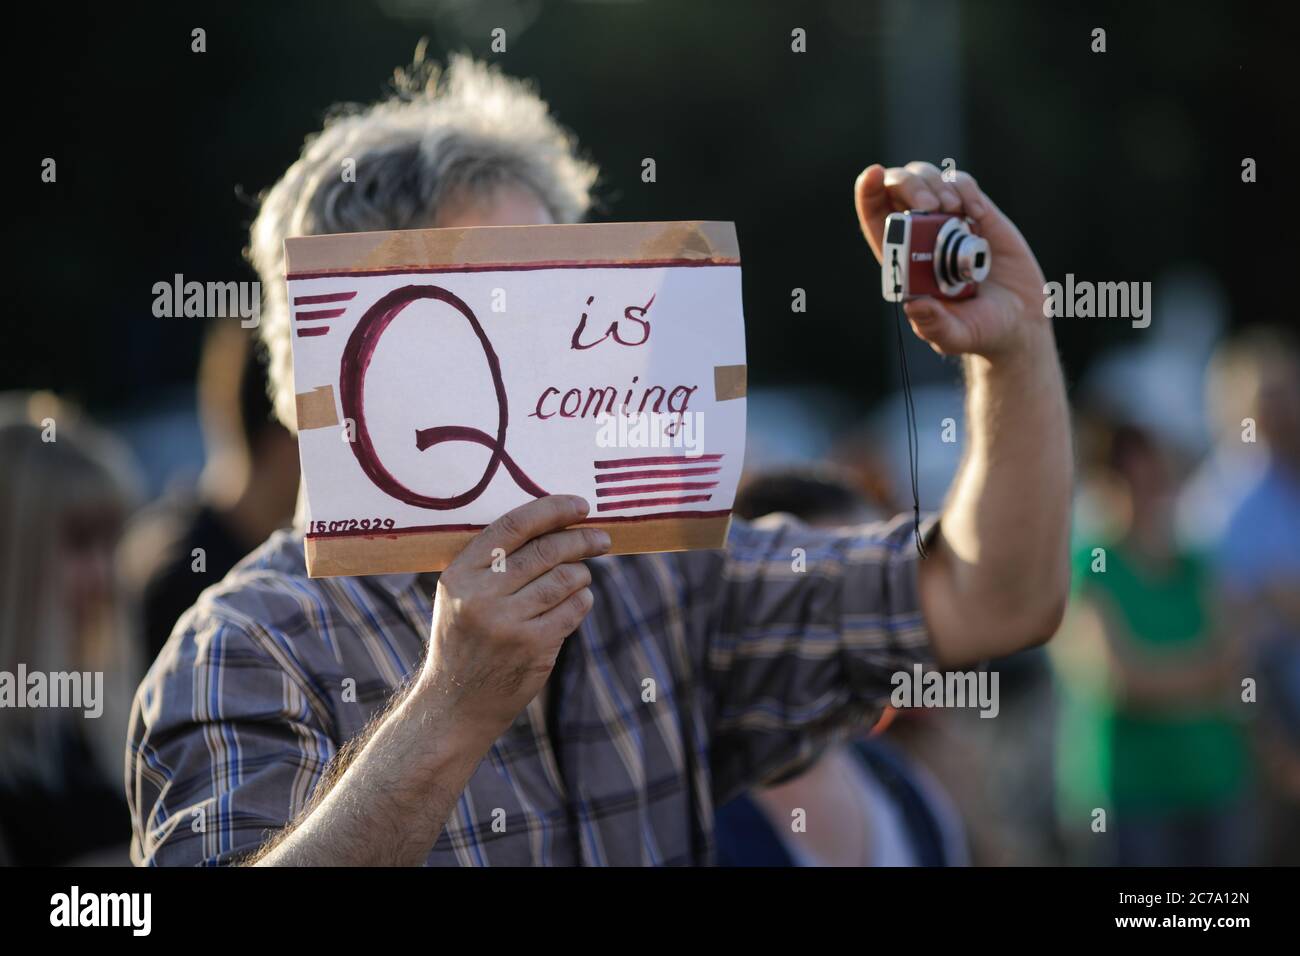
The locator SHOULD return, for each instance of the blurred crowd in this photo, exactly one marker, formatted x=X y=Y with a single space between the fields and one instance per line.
x=1160 y=726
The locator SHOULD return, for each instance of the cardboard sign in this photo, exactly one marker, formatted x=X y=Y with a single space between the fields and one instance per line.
x=446 y=376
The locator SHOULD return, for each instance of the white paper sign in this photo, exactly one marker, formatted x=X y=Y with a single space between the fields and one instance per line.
x=434 y=397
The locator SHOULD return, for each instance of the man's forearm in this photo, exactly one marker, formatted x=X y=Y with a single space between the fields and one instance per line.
x=387 y=805
x=493 y=643
x=1002 y=570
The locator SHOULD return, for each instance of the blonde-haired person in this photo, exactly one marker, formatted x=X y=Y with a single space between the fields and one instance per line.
x=66 y=489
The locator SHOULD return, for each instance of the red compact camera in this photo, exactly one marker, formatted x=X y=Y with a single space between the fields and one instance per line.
x=931 y=253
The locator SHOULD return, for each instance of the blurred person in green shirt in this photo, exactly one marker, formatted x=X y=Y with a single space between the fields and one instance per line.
x=1149 y=724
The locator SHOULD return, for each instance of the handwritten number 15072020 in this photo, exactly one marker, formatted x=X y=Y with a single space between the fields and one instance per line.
x=352 y=524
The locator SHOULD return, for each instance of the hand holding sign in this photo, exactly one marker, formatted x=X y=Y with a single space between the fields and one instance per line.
x=499 y=622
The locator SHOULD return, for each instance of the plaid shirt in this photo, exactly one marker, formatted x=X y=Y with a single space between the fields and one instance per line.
x=695 y=676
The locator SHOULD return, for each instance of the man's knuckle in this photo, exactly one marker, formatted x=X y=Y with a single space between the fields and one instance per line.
x=509 y=525
x=577 y=606
x=570 y=576
x=549 y=590
x=546 y=551
x=562 y=580
x=555 y=510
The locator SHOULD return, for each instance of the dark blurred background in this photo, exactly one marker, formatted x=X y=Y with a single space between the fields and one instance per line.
x=1120 y=165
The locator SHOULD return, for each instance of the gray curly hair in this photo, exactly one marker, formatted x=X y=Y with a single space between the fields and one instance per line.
x=443 y=133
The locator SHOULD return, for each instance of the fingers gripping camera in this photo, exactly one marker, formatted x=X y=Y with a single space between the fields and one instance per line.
x=931 y=253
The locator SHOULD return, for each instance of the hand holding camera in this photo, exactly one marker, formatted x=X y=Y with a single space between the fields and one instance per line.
x=931 y=253
x=966 y=277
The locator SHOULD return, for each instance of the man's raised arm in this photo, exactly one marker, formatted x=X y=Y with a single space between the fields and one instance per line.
x=997 y=578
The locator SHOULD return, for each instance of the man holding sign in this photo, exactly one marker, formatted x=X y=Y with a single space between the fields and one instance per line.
x=565 y=706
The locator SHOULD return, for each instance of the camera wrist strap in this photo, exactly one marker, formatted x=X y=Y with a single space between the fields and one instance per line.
x=909 y=409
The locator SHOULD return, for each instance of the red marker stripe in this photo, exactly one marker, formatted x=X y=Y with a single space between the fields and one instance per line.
x=319 y=314
x=313 y=330
x=675 y=473
x=662 y=460
x=650 y=502
x=326 y=297
x=657 y=486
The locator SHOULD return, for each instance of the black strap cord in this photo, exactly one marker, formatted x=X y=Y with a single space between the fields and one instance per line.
x=909 y=407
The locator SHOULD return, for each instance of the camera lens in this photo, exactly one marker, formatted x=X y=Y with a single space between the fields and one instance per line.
x=960 y=256
x=970 y=259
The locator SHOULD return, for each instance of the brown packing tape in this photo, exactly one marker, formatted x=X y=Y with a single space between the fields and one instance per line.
x=511 y=245
x=316 y=408
x=433 y=550
x=689 y=240
x=729 y=381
